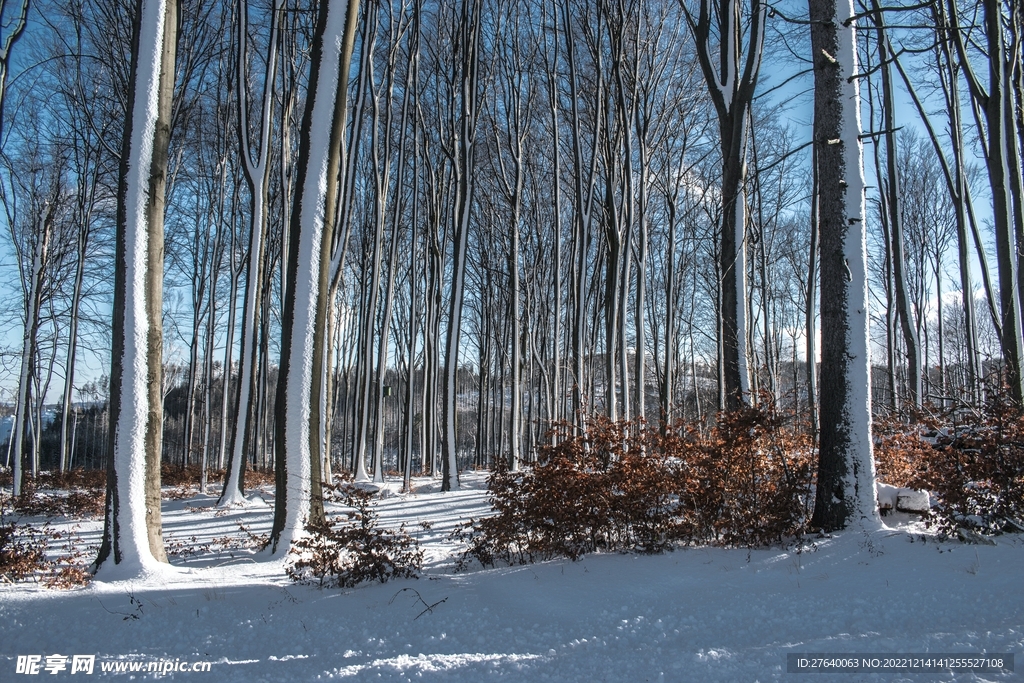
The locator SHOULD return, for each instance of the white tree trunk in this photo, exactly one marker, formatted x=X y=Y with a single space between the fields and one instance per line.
x=860 y=477
x=303 y=266
x=126 y=513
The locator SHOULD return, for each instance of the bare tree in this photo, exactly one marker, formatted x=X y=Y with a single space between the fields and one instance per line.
x=845 y=492
x=891 y=214
x=297 y=444
x=995 y=100
x=468 y=31
x=732 y=92
x=131 y=534
x=13 y=21
x=256 y=170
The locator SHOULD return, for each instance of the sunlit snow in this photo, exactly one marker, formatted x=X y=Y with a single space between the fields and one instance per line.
x=696 y=614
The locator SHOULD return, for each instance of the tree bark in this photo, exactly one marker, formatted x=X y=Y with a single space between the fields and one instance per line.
x=131 y=529
x=845 y=489
x=298 y=405
x=732 y=92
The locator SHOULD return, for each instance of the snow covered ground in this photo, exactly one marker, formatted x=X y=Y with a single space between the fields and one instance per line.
x=690 y=615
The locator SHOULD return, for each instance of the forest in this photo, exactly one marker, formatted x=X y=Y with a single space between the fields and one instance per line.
x=377 y=240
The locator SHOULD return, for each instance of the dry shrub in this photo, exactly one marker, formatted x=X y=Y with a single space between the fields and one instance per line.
x=747 y=482
x=75 y=504
x=69 y=568
x=973 y=463
x=75 y=479
x=189 y=547
x=185 y=548
x=257 y=478
x=68 y=576
x=22 y=552
x=32 y=503
x=87 y=503
x=253 y=541
x=621 y=486
x=902 y=455
x=608 y=488
x=59 y=481
x=179 y=492
x=344 y=555
x=176 y=475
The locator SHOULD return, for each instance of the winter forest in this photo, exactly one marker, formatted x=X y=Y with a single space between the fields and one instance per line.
x=632 y=275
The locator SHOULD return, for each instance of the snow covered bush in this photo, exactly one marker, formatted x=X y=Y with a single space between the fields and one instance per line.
x=336 y=553
x=975 y=468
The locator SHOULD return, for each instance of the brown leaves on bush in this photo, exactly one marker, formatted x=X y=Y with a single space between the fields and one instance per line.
x=972 y=463
x=747 y=482
x=338 y=554
x=187 y=477
x=603 y=489
x=76 y=503
x=22 y=552
x=256 y=478
x=622 y=486
x=901 y=453
x=23 y=555
x=184 y=481
x=75 y=479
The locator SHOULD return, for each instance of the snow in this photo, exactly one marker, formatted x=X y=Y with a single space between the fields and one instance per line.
x=902 y=499
x=911 y=500
x=886 y=495
x=697 y=614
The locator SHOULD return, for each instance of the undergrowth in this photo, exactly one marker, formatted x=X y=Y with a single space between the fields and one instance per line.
x=24 y=557
x=74 y=503
x=972 y=462
x=622 y=486
x=347 y=552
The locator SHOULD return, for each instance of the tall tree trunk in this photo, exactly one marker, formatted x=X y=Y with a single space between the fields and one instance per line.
x=469 y=40
x=14 y=29
x=845 y=490
x=960 y=194
x=1004 y=175
x=298 y=406
x=732 y=92
x=393 y=261
x=893 y=200
x=33 y=305
x=86 y=203
x=155 y=278
x=257 y=176
x=810 y=328
x=131 y=533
